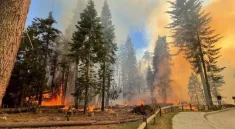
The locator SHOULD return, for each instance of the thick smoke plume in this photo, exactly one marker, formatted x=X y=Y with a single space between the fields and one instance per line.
x=149 y=16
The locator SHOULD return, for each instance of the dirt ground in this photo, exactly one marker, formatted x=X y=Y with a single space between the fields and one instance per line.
x=117 y=115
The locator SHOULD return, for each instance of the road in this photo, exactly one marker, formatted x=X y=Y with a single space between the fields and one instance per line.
x=202 y=120
x=223 y=120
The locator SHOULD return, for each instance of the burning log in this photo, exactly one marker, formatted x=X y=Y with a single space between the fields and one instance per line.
x=90 y=110
x=143 y=110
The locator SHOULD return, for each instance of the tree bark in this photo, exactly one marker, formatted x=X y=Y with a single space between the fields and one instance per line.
x=87 y=84
x=103 y=86
x=108 y=91
x=13 y=14
x=76 y=85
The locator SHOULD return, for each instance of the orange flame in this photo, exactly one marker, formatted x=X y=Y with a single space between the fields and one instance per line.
x=55 y=100
x=91 y=108
x=140 y=103
x=175 y=102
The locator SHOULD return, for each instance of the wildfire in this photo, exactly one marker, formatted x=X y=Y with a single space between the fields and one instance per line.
x=66 y=107
x=187 y=107
x=169 y=101
x=140 y=103
x=54 y=100
x=91 y=108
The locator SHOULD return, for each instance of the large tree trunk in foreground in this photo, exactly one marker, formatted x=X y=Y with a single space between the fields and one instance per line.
x=13 y=15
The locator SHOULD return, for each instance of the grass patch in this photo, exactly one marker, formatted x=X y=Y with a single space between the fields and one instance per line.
x=163 y=122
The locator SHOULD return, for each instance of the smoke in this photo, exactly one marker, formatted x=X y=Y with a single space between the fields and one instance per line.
x=223 y=14
x=150 y=16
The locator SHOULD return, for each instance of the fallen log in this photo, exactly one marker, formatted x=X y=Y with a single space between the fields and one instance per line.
x=62 y=123
x=15 y=110
x=45 y=124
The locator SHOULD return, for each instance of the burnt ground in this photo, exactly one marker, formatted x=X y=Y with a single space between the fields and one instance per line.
x=117 y=115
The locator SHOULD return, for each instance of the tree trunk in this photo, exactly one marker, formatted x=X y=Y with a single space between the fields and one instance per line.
x=87 y=84
x=103 y=86
x=63 y=82
x=76 y=85
x=13 y=15
x=22 y=96
x=207 y=86
x=108 y=90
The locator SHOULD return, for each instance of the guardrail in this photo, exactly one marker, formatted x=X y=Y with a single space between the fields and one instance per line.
x=171 y=108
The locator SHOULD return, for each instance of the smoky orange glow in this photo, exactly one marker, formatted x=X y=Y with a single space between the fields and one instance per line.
x=54 y=100
x=140 y=103
x=223 y=14
x=223 y=17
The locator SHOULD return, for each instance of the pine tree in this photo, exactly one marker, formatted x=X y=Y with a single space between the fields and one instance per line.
x=87 y=46
x=162 y=67
x=129 y=69
x=195 y=90
x=110 y=48
x=13 y=15
x=148 y=57
x=194 y=36
x=48 y=35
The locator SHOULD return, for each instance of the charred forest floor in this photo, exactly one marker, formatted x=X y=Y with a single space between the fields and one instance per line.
x=54 y=116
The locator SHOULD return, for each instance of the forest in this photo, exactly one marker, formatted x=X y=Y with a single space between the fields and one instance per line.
x=86 y=67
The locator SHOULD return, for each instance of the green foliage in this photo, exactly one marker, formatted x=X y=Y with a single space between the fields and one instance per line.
x=29 y=74
x=108 y=55
x=87 y=48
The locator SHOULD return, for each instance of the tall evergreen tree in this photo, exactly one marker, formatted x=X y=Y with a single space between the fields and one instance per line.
x=129 y=69
x=162 y=67
x=148 y=57
x=110 y=48
x=48 y=35
x=87 y=46
x=194 y=37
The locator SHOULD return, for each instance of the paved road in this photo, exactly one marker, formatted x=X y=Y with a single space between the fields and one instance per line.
x=223 y=120
x=196 y=120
